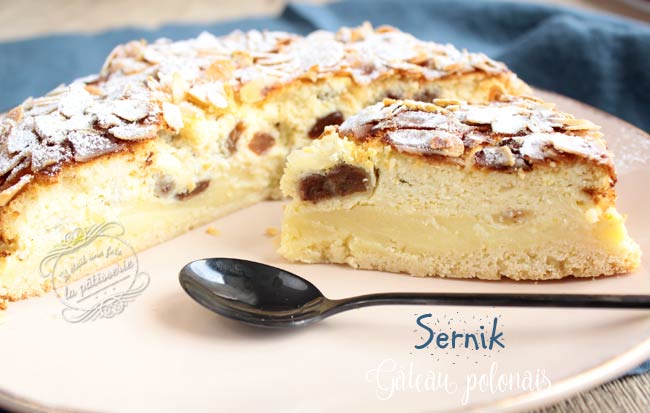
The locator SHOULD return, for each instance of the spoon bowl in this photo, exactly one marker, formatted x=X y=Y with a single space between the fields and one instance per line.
x=253 y=292
x=266 y=296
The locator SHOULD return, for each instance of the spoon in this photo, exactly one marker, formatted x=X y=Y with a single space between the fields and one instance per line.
x=266 y=296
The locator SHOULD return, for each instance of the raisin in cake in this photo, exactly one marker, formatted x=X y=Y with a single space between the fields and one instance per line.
x=512 y=188
x=171 y=135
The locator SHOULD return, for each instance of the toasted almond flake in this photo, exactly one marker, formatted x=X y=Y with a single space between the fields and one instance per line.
x=220 y=70
x=16 y=114
x=251 y=92
x=453 y=67
x=8 y=162
x=88 y=144
x=51 y=128
x=499 y=156
x=578 y=145
x=272 y=59
x=242 y=58
x=9 y=193
x=585 y=127
x=21 y=140
x=190 y=110
x=74 y=101
x=199 y=93
x=579 y=124
x=134 y=132
x=217 y=97
x=172 y=115
x=45 y=156
x=153 y=84
x=94 y=90
x=509 y=125
x=446 y=102
x=447 y=144
x=179 y=87
x=130 y=109
x=532 y=98
x=482 y=115
x=151 y=55
x=415 y=105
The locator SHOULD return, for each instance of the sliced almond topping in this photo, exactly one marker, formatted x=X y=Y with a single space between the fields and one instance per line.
x=217 y=98
x=131 y=110
x=8 y=194
x=252 y=91
x=241 y=58
x=179 y=87
x=416 y=105
x=210 y=94
x=172 y=115
x=153 y=84
x=447 y=144
x=220 y=70
x=579 y=124
x=443 y=102
x=578 y=145
x=453 y=67
x=134 y=132
x=16 y=114
x=502 y=155
x=509 y=125
x=152 y=55
x=482 y=115
x=94 y=90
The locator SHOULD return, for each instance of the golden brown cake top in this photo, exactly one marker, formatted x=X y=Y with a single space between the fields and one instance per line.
x=142 y=88
x=511 y=134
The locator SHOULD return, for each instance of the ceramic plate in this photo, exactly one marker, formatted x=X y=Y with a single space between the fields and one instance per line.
x=164 y=352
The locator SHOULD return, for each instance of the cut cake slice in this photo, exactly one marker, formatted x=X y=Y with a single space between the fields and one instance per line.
x=510 y=189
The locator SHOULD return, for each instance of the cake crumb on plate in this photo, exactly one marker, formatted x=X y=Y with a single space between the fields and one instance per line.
x=271 y=232
x=212 y=231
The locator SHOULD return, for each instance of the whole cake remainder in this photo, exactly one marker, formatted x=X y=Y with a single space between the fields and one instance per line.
x=171 y=135
x=511 y=189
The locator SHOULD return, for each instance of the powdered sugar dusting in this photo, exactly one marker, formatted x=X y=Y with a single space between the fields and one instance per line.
x=124 y=102
x=512 y=133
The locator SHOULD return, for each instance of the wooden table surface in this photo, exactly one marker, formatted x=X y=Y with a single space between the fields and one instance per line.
x=18 y=20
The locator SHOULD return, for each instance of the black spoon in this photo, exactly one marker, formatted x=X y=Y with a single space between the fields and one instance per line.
x=266 y=296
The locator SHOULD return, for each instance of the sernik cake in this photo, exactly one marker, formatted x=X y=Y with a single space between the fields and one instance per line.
x=512 y=188
x=171 y=135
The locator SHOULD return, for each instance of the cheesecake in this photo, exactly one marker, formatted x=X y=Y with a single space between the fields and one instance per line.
x=511 y=188
x=171 y=135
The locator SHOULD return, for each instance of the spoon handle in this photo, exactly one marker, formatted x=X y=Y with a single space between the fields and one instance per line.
x=496 y=300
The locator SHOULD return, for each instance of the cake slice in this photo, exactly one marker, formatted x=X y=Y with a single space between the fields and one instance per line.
x=171 y=135
x=512 y=188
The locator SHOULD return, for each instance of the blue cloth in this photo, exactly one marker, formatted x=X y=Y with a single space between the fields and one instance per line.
x=598 y=59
